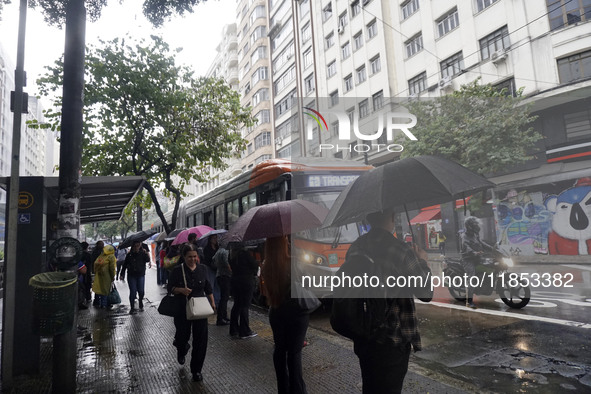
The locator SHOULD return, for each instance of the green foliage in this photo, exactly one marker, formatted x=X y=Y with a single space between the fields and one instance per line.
x=146 y=116
x=156 y=11
x=477 y=126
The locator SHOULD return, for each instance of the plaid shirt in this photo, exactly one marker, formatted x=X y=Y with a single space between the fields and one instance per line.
x=397 y=259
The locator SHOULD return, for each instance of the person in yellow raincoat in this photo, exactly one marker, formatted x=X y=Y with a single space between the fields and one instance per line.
x=105 y=267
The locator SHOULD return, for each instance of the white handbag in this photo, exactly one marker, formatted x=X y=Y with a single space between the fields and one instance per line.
x=197 y=307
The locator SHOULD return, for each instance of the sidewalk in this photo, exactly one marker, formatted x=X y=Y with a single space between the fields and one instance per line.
x=119 y=353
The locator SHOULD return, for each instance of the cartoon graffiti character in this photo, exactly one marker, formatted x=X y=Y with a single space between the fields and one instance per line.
x=571 y=222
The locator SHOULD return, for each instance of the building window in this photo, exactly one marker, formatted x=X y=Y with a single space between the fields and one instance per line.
x=417 y=84
x=334 y=98
x=329 y=40
x=309 y=83
x=249 y=149
x=358 y=40
x=578 y=125
x=284 y=79
x=262 y=117
x=285 y=104
x=308 y=58
x=260 y=159
x=343 y=20
x=260 y=74
x=259 y=32
x=351 y=115
x=262 y=139
x=372 y=29
x=363 y=109
x=409 y=8
x=507 y=87
x=327 y=12
x=306 y=32
x=352 y=149
x=355 y=8
x=346 y=50
x=375 y=64
x=331 y=69
x=452 y=65
x=348 y=82
x=338 y=155
x=574 y=67
x=482 y=4
x=259 y=53
x=495 y=41
x=334 y=129
x=260 y=96
x=378 y=100
x=449 y=22
x=304 y=8
x=259 y=12
x=361 y=74
x=562 y=13
x=414 y=45
x=284 y=57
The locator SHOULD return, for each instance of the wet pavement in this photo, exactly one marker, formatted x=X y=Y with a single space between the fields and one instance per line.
x=119 y=352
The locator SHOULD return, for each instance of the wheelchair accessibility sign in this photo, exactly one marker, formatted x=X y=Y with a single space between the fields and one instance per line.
x=24 y=218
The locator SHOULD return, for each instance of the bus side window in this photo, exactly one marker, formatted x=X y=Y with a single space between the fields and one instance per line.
x=207 y=219
x=233 y=211
x=220 y=219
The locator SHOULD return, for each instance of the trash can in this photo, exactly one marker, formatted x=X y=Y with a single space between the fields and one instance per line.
x=54 y=302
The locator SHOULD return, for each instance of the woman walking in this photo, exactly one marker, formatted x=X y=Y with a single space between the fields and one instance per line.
x=244 y=270
x=186 y=280
x=105 y=267
x=288 y=321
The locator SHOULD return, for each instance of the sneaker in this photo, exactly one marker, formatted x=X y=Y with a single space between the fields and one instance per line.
x=252 y=334
x=141 y=304
x=197 y=377
x=222 y=323
x=181 y=356
x=470 y=305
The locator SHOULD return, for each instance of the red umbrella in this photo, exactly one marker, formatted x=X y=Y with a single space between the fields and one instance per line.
x=183 y=236
x=277 y=219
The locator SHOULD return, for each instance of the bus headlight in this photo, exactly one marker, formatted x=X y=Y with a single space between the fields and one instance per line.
x=313 y=258
x=508 y=262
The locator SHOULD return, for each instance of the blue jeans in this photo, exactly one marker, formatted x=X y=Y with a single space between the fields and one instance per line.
x=136 y=285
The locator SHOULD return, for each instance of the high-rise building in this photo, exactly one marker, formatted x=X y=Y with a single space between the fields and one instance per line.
x=254 y=75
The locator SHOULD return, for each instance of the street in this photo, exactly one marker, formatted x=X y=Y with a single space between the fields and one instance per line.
x=543 y=347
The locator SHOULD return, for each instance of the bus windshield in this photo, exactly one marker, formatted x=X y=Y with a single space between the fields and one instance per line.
x=334 y=235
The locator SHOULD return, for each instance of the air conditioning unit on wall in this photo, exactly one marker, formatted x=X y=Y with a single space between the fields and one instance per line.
x=446 y=82
x=341 y=29
x=499 y=56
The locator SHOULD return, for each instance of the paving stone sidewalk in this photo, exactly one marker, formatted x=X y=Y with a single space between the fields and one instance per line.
x=119 y=352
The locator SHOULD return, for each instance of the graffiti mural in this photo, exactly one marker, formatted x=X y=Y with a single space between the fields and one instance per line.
x=571 y=230
x=523 y=223
x=549 y=219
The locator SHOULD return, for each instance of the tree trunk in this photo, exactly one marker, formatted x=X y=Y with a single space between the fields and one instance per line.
x=152 y=193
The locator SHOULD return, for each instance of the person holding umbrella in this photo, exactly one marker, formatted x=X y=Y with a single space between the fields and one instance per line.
x=384 y=363
x=288 y=321
x=135 y=265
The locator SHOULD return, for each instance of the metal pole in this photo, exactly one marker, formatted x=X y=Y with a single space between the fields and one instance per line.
x=11 y=252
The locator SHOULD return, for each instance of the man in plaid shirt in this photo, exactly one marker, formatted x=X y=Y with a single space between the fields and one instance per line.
x=384 y=361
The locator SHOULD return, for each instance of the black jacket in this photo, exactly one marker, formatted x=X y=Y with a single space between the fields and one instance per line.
x=196 y=280
x=135 y=263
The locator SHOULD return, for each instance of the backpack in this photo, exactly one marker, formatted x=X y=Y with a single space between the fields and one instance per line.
x=360 y=313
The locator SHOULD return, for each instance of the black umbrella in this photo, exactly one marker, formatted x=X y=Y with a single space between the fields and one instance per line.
x=407 y=184
x=136 y=237
x=172 y=235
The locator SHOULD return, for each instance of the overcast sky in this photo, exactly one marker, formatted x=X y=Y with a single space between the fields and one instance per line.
x=198 y=33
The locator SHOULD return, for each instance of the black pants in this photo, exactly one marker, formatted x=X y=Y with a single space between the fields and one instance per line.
x=242 y=290
x=184 y=328
x=289 y=331
x=383 y=366
x=224 y=286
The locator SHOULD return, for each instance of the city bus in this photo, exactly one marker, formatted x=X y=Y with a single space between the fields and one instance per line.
x=319 y=180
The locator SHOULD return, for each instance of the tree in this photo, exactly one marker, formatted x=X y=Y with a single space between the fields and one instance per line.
x=478 y=126
x=146 y=116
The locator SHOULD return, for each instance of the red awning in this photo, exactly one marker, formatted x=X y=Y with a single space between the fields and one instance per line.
x=425 y=216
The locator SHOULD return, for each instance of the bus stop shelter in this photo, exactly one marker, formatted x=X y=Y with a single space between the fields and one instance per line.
x=102 y=198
